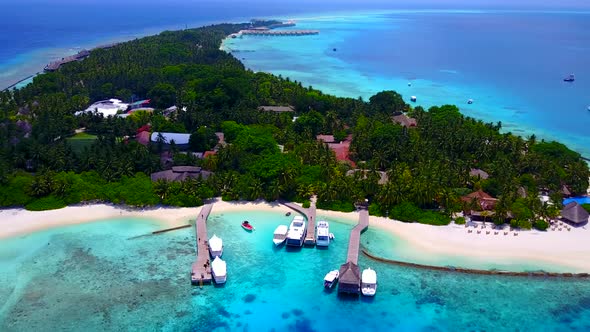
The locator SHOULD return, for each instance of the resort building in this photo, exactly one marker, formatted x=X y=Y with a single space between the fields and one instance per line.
x=383 y=178
x=277 y=109
x=108 y=107
x=139 y=104
x=478 y=173
x=341 y=149
x=180 y=173
x=180 y=139
x=404 y=120
x=479 y=205
x=350 y=279
x=574 y=214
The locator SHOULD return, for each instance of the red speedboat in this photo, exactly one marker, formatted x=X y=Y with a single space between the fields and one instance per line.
x=246 y=225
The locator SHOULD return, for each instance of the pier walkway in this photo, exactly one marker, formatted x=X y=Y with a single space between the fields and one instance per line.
x=355 y=237
x=201 y=271
x=310 y=214
x=350 y=274
x=262 y=32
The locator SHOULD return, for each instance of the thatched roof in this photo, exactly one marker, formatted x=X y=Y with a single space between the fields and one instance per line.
x=476 y=172
x=485 y=201
x=575 y=213
x=350 y=278
x=565 y=191
x=180 y=173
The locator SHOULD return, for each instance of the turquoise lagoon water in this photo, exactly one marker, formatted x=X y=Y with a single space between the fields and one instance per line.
x=102 y=277
x=511 y=63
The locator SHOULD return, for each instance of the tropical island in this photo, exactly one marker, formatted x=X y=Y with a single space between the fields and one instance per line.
x=196 y=124
x=134 y=142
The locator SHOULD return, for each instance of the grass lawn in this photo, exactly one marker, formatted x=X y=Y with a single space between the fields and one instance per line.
x=81 y=140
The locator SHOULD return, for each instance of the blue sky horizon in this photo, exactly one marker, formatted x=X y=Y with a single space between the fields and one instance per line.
x=434 y=4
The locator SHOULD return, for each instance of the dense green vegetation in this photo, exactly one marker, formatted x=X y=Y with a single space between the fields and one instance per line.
x=428 y=166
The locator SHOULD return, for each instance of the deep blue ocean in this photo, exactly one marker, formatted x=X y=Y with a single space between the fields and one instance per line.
x=511 y=63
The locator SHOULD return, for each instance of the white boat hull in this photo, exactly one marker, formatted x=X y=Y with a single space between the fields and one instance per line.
x=220 y=279
x=369 y=291
x=278 y=242
x=216 y=253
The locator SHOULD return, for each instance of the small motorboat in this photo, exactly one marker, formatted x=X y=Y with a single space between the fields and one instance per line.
x=409 y=83
x=334 y=49
x=470 y=101
x=247 y=226
x=288 y=213
x=332 y=237
x=570 y=78
x=280 y=235
x=413 y=98
x=331 y=279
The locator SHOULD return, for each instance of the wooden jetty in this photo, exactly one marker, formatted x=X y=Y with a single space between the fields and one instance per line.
x=310 y=236
x=55 y=65
x=310 y=214
x=268 y=32
x=201 y=271
x=350 y=277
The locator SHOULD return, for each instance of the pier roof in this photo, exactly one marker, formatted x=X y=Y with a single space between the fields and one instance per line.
x=350 y=277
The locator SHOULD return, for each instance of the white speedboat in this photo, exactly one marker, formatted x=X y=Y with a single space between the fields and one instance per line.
x=215 y=246
x=219 y=270
x=296 y=233
x=322 y=234
x=369 y=282
x=280 y=234
x=331 y=278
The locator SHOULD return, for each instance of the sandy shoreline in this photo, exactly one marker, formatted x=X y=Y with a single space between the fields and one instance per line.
x=569 y=251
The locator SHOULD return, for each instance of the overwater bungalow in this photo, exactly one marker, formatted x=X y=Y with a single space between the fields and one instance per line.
x=350 y=279
x=573 y=213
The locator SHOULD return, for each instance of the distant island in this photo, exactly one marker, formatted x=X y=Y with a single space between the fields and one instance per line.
x=173 y=120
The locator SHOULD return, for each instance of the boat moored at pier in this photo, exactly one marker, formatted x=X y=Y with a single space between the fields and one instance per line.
x=280 y=235
x=215 y=246
x=331 y=279
x=369 y=282
x=219 y=270
x=296 y=233
x=323 y=234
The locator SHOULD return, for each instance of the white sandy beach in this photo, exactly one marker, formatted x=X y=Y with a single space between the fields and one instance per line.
x=565 y=249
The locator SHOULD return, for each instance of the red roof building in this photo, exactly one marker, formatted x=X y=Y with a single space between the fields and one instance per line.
x=143 y=137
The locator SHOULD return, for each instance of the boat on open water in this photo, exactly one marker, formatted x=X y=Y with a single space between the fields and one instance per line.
x=219 y=270
x=280 y=235
x=297 y=231
x=369 y=282
x=570 y=78
x=247 y=226
x=215 y=246
x=331 y=279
